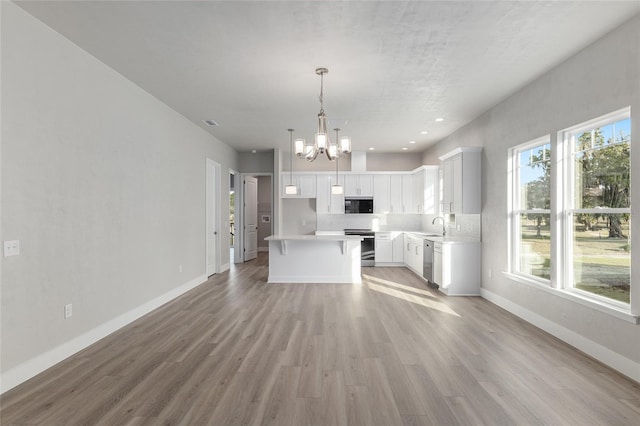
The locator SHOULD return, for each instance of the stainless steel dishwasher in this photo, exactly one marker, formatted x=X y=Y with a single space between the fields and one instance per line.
x=427 y=260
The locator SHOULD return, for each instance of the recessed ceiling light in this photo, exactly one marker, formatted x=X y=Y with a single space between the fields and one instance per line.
x=439 y=119
x=210 y=123
x=372 y=149
x=424 y=132
x=412 y=141
x=404 y=148
x=253 y=151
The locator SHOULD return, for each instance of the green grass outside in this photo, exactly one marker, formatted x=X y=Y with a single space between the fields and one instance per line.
x=604 y=262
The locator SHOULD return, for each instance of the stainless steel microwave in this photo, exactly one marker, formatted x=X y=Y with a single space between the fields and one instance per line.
x=358 y=205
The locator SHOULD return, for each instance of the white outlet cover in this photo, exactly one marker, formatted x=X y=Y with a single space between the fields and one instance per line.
x=68 y=310
x=11 y=248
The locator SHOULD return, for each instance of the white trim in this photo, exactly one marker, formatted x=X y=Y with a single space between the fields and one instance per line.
x=459 y=150
x=588 y=301
x=216 y=210
x=618 y=115
x=224 y=267
x=605 y=355
x=39 y=363
x=263 y=249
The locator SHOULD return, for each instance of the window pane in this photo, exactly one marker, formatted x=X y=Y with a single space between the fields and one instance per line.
x=534 y=176
x=534 y=245
x=602 y=255
x=622 y=131
x=601 y=177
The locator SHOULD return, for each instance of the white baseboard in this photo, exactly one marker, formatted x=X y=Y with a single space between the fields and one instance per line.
x=603 y=354
x=224 y=267
x=263 y=248
x=38 y=364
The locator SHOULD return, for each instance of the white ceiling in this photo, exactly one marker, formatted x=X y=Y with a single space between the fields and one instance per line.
x=394 y=66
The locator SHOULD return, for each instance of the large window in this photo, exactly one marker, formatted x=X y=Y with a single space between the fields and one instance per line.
x=530 y=213
x=570 y=211
x=597 y=208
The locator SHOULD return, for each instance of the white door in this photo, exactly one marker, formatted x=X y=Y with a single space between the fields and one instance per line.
x=250 y=218
x=211 y=189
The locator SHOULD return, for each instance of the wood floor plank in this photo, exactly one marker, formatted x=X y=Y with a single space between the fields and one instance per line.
x=391 y=351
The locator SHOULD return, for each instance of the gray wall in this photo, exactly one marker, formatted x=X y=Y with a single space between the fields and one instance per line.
x=386 y=162
x=103 y=185
x=602 y=78
x=260 y=162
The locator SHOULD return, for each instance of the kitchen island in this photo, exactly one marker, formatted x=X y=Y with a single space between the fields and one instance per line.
x=314 y=259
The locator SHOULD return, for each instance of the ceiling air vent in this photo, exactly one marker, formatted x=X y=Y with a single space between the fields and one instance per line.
x=210 y=123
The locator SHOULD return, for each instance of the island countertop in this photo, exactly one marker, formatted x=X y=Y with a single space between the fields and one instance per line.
x=314 y=237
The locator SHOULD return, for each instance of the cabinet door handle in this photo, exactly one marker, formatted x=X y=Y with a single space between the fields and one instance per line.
x=450 y=207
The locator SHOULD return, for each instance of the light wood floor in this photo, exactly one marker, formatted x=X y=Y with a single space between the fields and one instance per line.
x=388 y=352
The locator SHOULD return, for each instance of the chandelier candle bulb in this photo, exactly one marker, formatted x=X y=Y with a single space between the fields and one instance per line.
x=345 y=144
x=321 y=141
x=299 y=147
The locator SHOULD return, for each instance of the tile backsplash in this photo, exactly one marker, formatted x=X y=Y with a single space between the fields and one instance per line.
x=468 y=226
x=377 y=222
x=460 y=225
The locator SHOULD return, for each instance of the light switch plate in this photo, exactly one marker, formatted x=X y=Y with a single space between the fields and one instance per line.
x=11 y=248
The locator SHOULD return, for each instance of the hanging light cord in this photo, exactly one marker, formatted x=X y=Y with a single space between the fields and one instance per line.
x=291 y=157
x=337 y=155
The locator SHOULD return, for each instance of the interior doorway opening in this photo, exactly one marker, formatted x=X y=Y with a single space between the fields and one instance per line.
x=232 y=218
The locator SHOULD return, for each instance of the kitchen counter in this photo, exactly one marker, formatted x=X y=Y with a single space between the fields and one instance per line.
x=447 y=239
x=314 y=259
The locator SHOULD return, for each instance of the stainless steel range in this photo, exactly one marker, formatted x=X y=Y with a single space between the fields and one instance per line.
x=367 y=245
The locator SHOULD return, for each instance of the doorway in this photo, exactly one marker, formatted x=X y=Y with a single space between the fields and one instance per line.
x=253 y=199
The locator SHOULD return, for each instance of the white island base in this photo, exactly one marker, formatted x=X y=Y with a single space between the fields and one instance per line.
x=314 y=259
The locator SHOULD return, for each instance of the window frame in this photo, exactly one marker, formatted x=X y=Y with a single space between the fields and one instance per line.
x=515 y=212
x=568 y=210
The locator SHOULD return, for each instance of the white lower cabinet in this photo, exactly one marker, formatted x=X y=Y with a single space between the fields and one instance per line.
x=437 y=262
x=457 y=268
x=413 y=252
x=389 y=249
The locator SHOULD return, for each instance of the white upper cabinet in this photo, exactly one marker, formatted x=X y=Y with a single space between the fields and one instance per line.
x=326 y=202
x=423 y=196
x=431 y=190
x=461 y=181
x=305 y=185
x=395 y=194
x=408 y=205
x=382 y=194
x=323 y=194
x=418 y=192
x=358 y=185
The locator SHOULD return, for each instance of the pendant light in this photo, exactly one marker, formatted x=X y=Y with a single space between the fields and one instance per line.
x=337 y=189
x=290 y=189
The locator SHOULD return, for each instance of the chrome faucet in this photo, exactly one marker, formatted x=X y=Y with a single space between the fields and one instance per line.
x=444 y=230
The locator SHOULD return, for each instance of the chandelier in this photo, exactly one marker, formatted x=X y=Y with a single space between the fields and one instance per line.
x=322 y=143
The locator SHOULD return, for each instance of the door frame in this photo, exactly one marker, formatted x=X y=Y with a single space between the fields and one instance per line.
x=239 y=248
x=213 y=196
